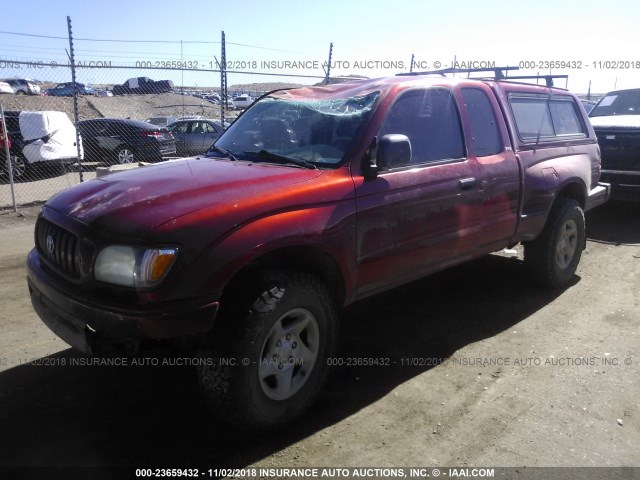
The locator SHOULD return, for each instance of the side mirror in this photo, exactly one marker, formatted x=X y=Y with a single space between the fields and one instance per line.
x=394 y=150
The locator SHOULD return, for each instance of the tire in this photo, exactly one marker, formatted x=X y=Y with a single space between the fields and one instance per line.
x=124 y=155
x=21 y=168
x=552 y=259
x=20 y=92
x=52 y=169
x=277 y=334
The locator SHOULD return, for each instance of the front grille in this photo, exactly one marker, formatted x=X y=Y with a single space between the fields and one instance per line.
x=620 y=138
x=58 y=246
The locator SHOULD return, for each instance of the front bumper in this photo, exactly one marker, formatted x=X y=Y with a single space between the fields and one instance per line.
x=598 y=196
x=95 y=329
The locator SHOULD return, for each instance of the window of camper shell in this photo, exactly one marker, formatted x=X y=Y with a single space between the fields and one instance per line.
x=546 y=119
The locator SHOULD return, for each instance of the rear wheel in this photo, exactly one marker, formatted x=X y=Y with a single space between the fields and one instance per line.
x=268 y=361
x=125 y=155
x=53 y=168
x=553 y=257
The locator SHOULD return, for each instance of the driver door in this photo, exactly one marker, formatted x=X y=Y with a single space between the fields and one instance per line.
x=419 y=218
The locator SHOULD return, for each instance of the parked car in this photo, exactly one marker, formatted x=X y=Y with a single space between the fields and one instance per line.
x=313 y=198
x=161 y=121
x=39 y=140
x=103 y=93
x=194 y=137
x=4 y=138
x=588 y=105
x=66 y=90
x=5 y=88
x=214 y=98
x=119 y=140
x=141 y=85
x=616 y=121
x=224 y=125
x=22 y=86
x=242 y=101
x=190 y=117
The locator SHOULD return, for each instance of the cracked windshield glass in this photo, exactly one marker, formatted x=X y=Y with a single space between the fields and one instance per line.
x=315 y=132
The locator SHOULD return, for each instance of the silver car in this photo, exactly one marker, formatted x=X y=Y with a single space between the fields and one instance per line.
x=194 y=137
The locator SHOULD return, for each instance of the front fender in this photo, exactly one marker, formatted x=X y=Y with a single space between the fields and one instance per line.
x=330 y=229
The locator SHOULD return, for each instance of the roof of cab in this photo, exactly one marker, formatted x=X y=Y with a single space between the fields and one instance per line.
x=359 y=87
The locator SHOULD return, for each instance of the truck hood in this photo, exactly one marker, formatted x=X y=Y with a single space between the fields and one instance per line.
x=134 y=202
x=616 y=121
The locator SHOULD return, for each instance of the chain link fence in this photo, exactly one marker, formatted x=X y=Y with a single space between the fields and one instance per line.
x=66 y=118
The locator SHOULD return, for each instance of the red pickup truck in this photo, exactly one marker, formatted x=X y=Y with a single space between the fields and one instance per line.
x=312 y=199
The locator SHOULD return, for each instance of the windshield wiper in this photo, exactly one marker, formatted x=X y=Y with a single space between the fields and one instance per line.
x=224 y=151
x=283 y=159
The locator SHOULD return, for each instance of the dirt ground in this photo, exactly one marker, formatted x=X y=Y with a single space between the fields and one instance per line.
x=484 y=370
x=139 y=107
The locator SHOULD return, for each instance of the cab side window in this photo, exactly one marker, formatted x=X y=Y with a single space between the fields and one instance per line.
x=484 y=126
x=429 y=118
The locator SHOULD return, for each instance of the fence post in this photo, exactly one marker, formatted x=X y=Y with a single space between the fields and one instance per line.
x=75 y=96
x=223 y=79
x=5 y=135
x=328 y=71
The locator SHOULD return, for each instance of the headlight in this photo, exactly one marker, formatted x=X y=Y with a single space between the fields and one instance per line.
x=133 y=266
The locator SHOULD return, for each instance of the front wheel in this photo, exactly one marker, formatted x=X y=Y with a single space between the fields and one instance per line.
x=268 y=361
x=553 y=257
x=19 y=167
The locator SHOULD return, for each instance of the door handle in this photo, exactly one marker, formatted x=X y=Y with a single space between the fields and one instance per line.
x=467 y=183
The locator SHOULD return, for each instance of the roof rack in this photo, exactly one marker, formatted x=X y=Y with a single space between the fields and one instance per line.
x=499 y=73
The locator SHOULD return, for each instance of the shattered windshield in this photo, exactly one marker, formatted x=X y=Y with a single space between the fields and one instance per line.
x=313 y=133
x=618 y=103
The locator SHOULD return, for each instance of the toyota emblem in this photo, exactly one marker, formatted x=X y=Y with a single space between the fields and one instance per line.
x=51 y=244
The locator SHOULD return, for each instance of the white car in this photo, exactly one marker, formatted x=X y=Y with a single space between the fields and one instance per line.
x=242 y=101
x=161 y=121
x=5 y=88
x=103 y=93
x=21 y=86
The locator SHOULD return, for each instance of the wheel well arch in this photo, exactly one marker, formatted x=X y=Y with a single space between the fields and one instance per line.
x=574 y=190
x=308 y=259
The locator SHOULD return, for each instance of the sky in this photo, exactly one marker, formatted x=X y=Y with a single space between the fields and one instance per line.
x=595 y=43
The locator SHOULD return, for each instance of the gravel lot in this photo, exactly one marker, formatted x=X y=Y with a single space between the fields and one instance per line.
x=522 y=376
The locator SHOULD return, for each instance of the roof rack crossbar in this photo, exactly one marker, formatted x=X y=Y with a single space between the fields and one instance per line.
x=497 y=71
x=548 y=78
